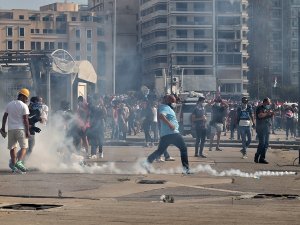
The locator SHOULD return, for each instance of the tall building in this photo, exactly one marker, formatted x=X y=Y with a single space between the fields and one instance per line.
x=204 y=41
x=85 y=31
x=121 y=24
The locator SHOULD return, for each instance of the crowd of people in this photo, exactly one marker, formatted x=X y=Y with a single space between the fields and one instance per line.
x=98 y=118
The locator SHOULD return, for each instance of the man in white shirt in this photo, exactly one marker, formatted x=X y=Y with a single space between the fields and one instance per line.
x=16 y=113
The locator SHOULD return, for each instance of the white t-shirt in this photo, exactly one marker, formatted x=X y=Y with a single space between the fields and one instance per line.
x=16 y=110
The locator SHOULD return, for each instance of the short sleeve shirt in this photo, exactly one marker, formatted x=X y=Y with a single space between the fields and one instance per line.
x=169 y=113
x=16 y=110
x=199 y=112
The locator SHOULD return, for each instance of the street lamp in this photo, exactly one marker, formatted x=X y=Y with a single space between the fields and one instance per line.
x=114 y=46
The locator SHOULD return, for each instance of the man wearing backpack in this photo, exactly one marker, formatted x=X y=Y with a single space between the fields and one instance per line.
x=244 y=121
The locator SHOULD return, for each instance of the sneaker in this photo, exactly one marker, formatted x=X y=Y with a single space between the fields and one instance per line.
x=244 y=156
x=210 y=149
x=196 y=155
x=160 y=159
x=186 y=171
x=202 y=156
x=20 y=166
x=101 y=155
x=243 y=151
x=263 y=161
x=218 y=149
x=169 y=159
x=94 y=157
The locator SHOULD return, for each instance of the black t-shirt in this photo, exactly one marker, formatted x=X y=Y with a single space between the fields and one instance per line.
x=199 y=112
x=218 y=114
x=260 y=122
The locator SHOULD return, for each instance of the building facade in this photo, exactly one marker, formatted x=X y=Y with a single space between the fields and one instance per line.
x=202 y=43
x=85 y=31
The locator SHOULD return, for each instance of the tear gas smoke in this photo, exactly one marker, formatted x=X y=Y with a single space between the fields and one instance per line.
x=54 y=152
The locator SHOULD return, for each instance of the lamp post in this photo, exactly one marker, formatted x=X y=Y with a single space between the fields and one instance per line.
x=114 y=46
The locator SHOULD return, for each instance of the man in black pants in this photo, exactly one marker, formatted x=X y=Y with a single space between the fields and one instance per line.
x=264 y=116
x=169 y=134
x=199 y=124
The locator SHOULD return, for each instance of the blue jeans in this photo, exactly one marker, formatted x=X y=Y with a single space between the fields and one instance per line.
x=200 y=140
x=245 y=132
x=164 y=142
x=263 y=134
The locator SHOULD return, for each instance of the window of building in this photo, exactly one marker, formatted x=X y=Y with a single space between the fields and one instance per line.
x=89 y=33
x=181 y=20
x=9 y=45
x=199 y=72
x=181 y=6
x=74 y=18
x=21 y=17
x=199 y=33
x=21 y=45
x=77 y=46
x=77 y=33
x=37 y=31
x=181 y=60
x=89 y=47
x=182 y=47
x=9 y=31
x=32 y=31
x=200 y=47
x=199 y=60
x=38 y=45
x=181 y=33
x=100 y=32
x=78 y=58
x=65 y=45
x=21 y=31
x=199 y=20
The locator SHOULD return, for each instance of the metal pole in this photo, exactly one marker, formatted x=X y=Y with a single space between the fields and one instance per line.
x=182 y=71
x=114 y=46
x=49 y=87
x=299 y=79
x=171 y=73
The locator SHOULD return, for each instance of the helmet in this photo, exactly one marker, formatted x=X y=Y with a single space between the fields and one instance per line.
x=25 y=92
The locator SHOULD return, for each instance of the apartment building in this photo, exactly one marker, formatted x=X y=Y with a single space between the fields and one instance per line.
x=122 y=25
x=61 y=26
x=204 y=41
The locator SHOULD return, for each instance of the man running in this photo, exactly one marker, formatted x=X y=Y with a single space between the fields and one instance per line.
x=169 y=134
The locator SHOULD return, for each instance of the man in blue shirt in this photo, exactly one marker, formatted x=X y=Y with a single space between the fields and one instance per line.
x=169 y=133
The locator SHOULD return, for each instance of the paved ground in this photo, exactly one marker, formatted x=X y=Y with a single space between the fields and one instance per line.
x=107 y=191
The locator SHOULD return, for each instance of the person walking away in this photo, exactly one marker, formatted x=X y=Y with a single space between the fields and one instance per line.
x=219 y=108
x=123 y=114
x=16 y=115
x=245 y=120
x=147 y=119
x=264 y=115
x=95 y=132
x=82 y=116
x=295 y=122
x=289 y=118
x=169 y=134
x=199 y=124
x=232 y=121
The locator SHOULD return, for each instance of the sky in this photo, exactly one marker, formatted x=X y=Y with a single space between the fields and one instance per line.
x=31 y=4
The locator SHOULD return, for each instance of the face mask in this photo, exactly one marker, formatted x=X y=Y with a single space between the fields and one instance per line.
x=218 y=104
x=267 y=106
x=244 y=105
x=173 y=105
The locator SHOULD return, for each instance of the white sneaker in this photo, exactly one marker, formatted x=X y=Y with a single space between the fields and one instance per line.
x=94 y=157
x=160 y=159
x=101 y=155
x=169 y=159
x=245 y=156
